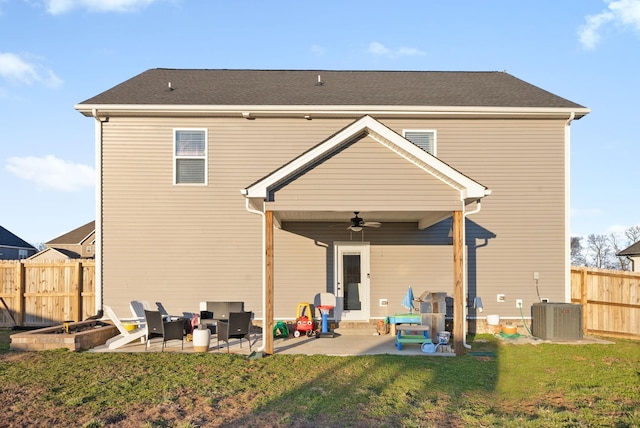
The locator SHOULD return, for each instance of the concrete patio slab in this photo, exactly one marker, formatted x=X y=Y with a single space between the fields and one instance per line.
x=340 y=345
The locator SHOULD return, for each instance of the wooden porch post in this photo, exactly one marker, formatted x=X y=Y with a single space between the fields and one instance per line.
x=458 y=286
x=267 y=323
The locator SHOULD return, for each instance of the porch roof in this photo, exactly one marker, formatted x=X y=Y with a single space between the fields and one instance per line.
x=265 y=189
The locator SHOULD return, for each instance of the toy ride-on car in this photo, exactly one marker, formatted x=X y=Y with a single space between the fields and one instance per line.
x=304 y=320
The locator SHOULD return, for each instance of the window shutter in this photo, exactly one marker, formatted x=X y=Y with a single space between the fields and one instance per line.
x=422 y=139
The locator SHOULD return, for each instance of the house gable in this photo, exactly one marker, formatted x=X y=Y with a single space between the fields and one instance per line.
x=337 y=158
x=55 y=254
x=368 y=176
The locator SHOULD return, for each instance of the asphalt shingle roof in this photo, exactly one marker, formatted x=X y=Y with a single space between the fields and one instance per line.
x=301 y=87
x=632 y=250
x=75 y=236
x=8 y=239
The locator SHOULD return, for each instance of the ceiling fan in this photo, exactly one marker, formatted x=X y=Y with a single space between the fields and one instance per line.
x=357 y=223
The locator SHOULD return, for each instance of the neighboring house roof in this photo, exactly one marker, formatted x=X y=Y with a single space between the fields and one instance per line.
x=56 y=253
x=396 y=90
x=633 y=250
x=76 y=236
x=8 y=239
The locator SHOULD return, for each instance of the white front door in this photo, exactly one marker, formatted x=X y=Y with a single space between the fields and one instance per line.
x=352 y=287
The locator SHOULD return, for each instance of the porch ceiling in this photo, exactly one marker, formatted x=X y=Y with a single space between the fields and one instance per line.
x=423 y=218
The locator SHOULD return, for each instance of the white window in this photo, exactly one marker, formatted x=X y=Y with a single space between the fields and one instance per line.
x=423 y=138
x=23 y=254
x=190 y=156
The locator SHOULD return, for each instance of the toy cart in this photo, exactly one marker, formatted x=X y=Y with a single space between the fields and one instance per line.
x=304 y=320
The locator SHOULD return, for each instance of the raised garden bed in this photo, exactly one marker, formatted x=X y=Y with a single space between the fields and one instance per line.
x=77 y=336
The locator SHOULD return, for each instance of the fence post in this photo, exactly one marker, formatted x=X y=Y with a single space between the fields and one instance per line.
x=78 y=291
x=20 y=282
x=583 y=299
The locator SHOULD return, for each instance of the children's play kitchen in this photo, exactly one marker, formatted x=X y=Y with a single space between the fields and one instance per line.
x=421 y=328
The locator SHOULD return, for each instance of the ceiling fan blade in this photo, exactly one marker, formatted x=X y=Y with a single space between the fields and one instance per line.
x=372 y=224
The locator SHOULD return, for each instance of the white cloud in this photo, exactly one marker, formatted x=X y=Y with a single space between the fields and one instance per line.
x=377 y=48
x=624 y=13
x=27 y=71
x=50 y=172
x=56 y=7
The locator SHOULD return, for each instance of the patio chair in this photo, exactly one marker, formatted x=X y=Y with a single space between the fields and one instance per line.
x=167 y=330
x=125 y=335
x=238 y=326
x=137 y=308
x=165 y=314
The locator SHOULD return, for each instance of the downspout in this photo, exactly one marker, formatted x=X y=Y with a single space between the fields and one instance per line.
x=264 y=275
x=567 y=205
x=98 y=220
x=464 y=271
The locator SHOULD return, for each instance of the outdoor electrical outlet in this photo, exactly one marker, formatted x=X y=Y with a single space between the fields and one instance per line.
x=518 y=303
x=500 y=297
x=384 y=302
x=536 y=275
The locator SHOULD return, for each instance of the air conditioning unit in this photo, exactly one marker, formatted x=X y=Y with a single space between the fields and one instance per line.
x=557 y=321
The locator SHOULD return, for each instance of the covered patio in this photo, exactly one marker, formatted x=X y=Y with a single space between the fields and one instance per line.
x=315 y=188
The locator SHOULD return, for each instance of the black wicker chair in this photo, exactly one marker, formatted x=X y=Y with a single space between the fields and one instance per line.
x=167 y=330
x=238 y=326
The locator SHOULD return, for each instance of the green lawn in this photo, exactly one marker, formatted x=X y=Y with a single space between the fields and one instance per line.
x=547 y=385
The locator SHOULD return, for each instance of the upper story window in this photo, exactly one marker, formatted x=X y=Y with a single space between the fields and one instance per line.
x=23 y=254
x=190 y=156
x=423 y=138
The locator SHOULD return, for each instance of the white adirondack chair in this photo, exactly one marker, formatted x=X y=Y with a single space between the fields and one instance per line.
x=125 y=335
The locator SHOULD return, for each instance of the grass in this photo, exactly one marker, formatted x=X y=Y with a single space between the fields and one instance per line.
x=547 y=385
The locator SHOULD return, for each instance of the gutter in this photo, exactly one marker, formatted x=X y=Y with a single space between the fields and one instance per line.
x=264 y=274
x=567 y=207
x=311 y=112
x=98 y=220
x=464 y=272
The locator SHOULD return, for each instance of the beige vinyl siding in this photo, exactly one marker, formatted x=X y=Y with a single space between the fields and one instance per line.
x=369 y=177
x=183 y=244
x=521 y=227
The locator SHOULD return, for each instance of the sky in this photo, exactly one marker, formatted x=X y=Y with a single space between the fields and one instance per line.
x=57 y=53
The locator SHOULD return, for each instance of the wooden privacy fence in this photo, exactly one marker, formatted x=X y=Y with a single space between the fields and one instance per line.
x=610 y=301
x=40 y=293
x=46 y=293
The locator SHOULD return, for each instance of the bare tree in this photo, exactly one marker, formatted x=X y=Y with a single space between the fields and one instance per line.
x=598 y=251
x=622 y=263
x=577 y=252
x=601 y=250
x=633 y=235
